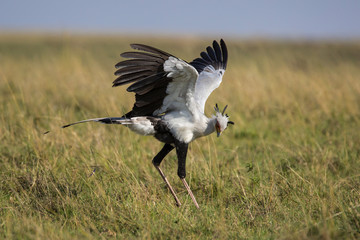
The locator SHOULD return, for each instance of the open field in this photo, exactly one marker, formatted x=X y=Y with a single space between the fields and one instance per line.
x=288 y=169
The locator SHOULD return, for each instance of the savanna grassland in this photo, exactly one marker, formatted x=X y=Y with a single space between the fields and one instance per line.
x=288 y=169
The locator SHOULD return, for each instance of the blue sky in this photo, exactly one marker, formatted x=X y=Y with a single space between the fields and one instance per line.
x=263 y=18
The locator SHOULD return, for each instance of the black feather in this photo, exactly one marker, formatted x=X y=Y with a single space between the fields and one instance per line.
x=201 y=61
x=136 y=62
x=151 y=96
x=160 y=83
x=199 y=64
x=215 y=56
x=217 y=51
x=206 y=57
x=224 y=52
x=211 y=54
x=135 y=69
x=144 y=82
x=224 y=109
x=131 y=77
x=142 y=55
x=146 y=48
x=146 y=110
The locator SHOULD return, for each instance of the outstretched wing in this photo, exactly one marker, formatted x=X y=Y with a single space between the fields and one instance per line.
x=161 y=82
x=146 y=73
x=211 y=68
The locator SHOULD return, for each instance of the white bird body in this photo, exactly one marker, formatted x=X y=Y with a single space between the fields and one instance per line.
x=186 y=127
x=170 y=99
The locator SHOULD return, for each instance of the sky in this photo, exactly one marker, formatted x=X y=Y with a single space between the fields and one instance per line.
x=262 y=18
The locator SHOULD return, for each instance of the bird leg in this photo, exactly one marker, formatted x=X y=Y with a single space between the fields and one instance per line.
x=157 y=160
x=178 y=203
x=181 y=151
x=190 y=192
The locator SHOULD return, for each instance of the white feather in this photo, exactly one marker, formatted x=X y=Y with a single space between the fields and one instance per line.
x=140 y=125
x=181 y=125
x=208 y=81
x=181 y=89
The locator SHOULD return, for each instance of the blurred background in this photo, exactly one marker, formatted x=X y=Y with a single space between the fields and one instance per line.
x=246 y=19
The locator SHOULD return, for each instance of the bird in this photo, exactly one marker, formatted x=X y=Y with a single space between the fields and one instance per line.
x=170 y=97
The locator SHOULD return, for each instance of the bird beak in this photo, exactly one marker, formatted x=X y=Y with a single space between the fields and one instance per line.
x=218 y=132
x=217 y=128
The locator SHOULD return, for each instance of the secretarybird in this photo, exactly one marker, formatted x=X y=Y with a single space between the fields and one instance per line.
x=170 y=96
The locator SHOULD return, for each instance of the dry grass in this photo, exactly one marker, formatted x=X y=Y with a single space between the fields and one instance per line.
x=288 y=169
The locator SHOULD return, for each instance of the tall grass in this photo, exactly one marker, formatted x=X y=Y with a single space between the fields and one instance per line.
x=288 y=169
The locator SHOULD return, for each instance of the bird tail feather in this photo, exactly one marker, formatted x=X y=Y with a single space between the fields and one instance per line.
x=107 y=120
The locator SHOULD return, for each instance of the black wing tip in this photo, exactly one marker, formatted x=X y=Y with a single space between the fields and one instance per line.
x=216 y=44
x=215 y=55
x=134 y=45
x=224 y=52
x=137 y=46
x=46 y=132
x=150 y=49
x=222 y=43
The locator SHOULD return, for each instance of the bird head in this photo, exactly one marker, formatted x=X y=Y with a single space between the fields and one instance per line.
x=222 y=120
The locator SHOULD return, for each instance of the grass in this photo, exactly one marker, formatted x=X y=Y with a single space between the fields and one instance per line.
x=288 y=169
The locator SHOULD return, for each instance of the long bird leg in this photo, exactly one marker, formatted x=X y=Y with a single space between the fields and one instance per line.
x=190 y=192
x=181 y=151
x=157 y=160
